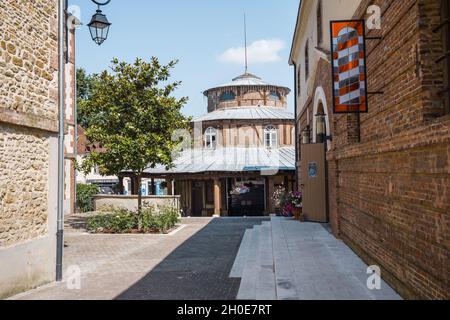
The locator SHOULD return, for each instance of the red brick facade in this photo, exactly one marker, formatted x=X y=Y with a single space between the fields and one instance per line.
x=389 y=193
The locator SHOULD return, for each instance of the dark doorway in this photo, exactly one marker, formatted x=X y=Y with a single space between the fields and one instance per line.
x=251 y=204
x=197 y=198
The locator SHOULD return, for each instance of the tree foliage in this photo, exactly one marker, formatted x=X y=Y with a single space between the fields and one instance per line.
x=133 y=116
x=85 y=83
x=85 y=194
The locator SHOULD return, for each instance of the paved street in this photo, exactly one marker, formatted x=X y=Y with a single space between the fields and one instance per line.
x=194 y=263
x=206 y=259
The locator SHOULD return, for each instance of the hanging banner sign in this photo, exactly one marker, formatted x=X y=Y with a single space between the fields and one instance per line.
x=348 y=53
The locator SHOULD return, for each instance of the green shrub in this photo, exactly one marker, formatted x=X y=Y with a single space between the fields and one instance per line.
x=124 y=221
x=161 y=219
x=85 y=197
x=120 y=221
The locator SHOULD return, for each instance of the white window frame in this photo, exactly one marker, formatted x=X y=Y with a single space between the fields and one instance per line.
x=271 y=137
x=210 y=138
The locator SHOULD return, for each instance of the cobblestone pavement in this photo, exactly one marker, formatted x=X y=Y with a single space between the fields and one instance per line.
x=193 y=263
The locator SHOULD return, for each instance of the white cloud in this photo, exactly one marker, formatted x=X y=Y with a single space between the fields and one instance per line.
x=260 y=51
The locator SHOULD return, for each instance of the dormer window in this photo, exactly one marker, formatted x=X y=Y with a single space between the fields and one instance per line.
x=210 y=138
x=271 y=137
x=227 y=96
x=274 y=96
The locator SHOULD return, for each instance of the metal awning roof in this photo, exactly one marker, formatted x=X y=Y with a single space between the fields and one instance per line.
x=230 y=160
x=246 y=80
x=248 y=113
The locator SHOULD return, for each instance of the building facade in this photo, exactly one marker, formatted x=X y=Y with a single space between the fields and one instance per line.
x=29 y=142
x=243 y=149
x=387 y=177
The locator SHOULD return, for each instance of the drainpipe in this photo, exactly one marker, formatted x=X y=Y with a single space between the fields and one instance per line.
x=296 y=126
x=61 y=65
x=75 y=150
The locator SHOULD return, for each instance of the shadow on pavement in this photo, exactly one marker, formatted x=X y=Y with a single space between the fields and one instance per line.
x=199 y=268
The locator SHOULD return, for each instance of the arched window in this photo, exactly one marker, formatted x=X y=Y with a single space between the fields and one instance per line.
x=274 y=96
x=210 y=138
x=227 y=96
x=271 y=137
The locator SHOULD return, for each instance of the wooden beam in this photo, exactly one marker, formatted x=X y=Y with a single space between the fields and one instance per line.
x=217 y=197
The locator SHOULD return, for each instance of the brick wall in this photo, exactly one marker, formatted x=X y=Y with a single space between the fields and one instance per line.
x=389 y=194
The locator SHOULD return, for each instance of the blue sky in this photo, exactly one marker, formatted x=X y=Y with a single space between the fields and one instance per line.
x=205 y=35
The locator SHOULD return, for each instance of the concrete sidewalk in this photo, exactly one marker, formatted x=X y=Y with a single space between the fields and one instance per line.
x=288 y=260
x=215 y=259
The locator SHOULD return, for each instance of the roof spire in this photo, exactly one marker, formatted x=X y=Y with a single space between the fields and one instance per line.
x=245 y=39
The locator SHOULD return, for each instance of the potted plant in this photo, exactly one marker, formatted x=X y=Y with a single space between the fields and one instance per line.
x=294 y=205
x=279 y=198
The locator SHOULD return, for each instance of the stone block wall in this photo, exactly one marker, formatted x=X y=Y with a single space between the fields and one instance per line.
x=28 y=62
x=24 y=166
x=28 y=143
x=131 y=202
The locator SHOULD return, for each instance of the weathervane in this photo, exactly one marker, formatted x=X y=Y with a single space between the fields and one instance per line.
x=245 y=40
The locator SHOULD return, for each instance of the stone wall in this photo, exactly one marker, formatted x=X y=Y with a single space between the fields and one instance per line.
x=28 y=143
x=390 y=192
x=28 y=63
x=24 y=161
x=131 y=202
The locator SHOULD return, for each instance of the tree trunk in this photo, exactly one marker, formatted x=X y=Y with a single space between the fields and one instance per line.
x=139 y=186
x=139 y=194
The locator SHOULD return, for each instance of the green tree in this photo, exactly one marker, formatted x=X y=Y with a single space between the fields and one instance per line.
x=133 y=116
x=85 y=83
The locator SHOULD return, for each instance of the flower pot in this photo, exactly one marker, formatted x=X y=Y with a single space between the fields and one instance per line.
x=298 y=214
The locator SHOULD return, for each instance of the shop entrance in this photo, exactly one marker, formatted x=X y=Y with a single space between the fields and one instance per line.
x=247 y=198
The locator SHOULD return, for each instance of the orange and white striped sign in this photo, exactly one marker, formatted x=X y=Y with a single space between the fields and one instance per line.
x=349 y=66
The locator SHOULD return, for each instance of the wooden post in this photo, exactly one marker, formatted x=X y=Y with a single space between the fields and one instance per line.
x=271 y=188
x=217 y=197
x=169 y=187
x=121 y=187
x=133 y=186
x=153 y=187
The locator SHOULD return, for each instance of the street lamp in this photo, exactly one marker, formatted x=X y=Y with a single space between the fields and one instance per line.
x=306 y=139
x=321 y=128
x=99 y=25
